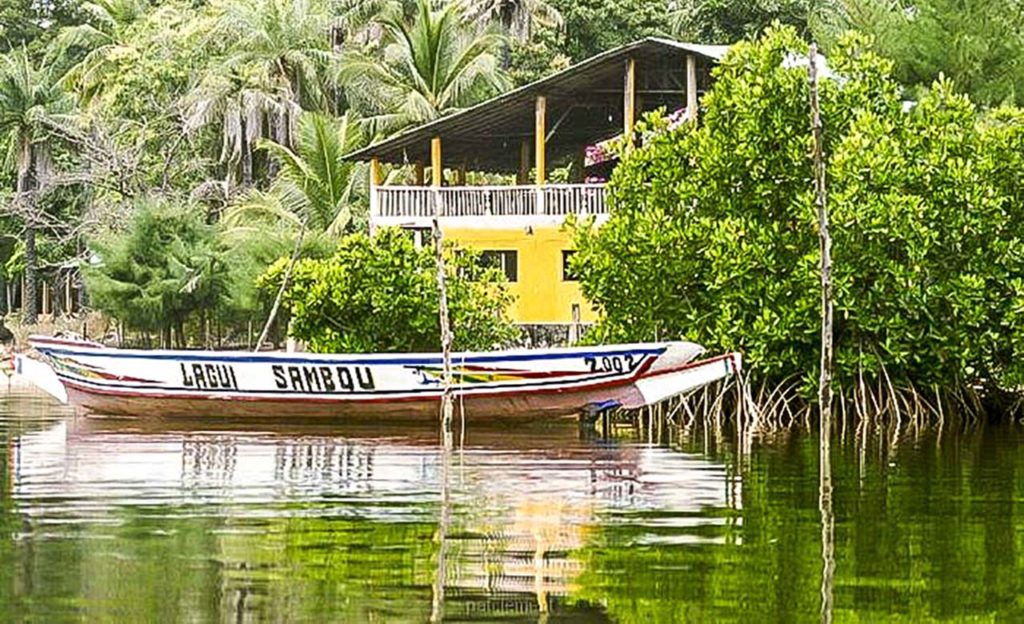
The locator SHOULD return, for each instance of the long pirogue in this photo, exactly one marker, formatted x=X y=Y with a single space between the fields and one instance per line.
x=489 y=385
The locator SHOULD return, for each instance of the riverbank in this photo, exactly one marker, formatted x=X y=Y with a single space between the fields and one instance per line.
x=92 y=325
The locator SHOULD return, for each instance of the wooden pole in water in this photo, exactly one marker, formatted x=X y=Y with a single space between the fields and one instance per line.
x=825 y=243
x=447 y=407
x=442 y=293
x=825 y=381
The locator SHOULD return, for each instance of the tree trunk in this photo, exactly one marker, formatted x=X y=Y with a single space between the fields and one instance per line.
x=3 y=295
x=28 y=306
x=83 y=295
x=275 y=133
x=246 y=157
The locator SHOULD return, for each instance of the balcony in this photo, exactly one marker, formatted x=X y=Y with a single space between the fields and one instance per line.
x=486 y=206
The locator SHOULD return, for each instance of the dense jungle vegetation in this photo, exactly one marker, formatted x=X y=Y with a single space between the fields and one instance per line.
x=927 y=222
x=174 y=150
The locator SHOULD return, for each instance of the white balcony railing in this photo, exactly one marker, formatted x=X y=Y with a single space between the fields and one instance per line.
x=555 y=200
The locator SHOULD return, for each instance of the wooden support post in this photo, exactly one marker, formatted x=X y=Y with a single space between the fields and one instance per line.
x=460 y=175
x=578 y=174
x=540 y=139
x=375 y=180
x=436 y=166
x=540 y=130
x=419 y=173
x=376 y=176
x=629 y=102
x=523 y=176
x=691 y=87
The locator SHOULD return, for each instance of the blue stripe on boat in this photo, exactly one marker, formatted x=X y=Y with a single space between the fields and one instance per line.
x=283 y=359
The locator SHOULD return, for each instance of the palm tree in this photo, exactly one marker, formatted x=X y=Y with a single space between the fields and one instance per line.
x=226 y=98
x=283 y=47
x=315 y=186
x=515 y=17
x=31 y=98
x=433 y=65
x=103 y=37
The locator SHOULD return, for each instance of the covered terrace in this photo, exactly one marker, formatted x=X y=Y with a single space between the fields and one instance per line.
x=527 y=131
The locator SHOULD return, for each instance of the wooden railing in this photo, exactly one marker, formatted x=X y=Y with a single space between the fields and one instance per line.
x=582 y=199
x=488 y=201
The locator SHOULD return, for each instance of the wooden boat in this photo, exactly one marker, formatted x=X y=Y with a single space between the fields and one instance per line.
x=487 y=385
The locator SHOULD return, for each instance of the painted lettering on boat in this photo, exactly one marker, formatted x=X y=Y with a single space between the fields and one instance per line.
x=323 y=379
x=209 y=376
x=609 y=363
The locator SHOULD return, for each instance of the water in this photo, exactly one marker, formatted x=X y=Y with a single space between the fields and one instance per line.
x=133 y=520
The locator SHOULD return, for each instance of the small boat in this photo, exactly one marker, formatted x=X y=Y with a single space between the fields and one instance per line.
x=487 y=385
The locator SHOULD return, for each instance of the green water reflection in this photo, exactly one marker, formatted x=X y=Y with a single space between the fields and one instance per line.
x=151 y=521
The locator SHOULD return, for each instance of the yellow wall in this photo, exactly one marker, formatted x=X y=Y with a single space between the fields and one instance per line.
x=541 y=294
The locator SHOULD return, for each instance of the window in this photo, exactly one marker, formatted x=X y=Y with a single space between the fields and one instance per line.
x=421 y=237
x=568 y=275
x=505 y=260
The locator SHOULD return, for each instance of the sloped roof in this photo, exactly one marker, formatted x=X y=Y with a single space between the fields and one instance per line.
x=584 y=106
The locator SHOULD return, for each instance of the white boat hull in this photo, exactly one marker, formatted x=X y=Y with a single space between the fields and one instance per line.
x=506 y=384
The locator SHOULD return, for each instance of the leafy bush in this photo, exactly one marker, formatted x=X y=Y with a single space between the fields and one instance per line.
x=166 y=266
x=713 y=229
x=379 y=294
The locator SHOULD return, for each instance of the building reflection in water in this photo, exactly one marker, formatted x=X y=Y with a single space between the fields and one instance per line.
x=522 y=501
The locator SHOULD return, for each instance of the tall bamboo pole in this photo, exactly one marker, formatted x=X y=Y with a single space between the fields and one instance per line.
x=442 y=293
x=825 y=382
x=447 y=407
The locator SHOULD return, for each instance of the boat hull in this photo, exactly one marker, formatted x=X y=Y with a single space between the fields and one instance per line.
x=516 y=406
x=494 y=385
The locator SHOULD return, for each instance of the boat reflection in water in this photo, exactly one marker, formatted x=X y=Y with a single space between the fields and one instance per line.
x=521 y=501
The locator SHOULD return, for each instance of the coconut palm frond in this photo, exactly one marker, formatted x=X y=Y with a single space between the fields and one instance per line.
x=282 y=204
x=433 y=64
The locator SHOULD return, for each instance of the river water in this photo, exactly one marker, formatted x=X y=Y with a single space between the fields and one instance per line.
x=149 y=520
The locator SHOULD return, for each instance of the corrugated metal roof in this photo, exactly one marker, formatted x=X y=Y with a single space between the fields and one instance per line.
x=584 y=106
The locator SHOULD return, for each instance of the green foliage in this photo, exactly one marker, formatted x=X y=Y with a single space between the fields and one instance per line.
x=594 y=26
x=316 y=185
x=30 y=98
x=713 y=234
x=516 y=18
x=379 y=294
x=538 y=57
x=726 y=21
x=31 y=24
x=284 y=42
x=165 y=267
x=248 y=253
x=978 y=44
x=432 y=65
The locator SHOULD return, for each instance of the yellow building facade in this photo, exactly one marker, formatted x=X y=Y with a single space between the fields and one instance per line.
x=544 y=292
x=558 y=121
